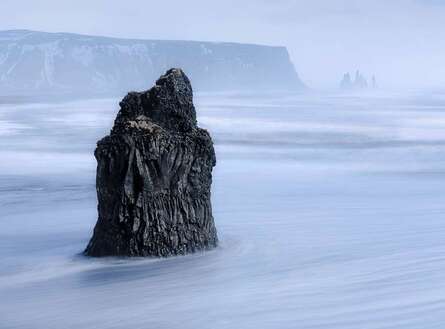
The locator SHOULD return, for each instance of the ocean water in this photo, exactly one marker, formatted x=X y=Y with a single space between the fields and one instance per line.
x=330 y=210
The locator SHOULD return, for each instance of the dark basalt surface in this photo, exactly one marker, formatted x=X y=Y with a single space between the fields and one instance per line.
x=154 y=173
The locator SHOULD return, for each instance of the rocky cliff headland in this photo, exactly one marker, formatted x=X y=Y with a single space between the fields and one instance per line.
x=38 y=63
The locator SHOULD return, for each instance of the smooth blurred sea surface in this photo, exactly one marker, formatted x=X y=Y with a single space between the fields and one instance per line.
x=330 y=211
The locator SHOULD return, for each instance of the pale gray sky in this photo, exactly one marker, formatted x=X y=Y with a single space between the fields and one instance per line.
x=401 y=41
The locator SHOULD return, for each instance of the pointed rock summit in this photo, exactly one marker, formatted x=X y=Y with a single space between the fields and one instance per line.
x=154 y=173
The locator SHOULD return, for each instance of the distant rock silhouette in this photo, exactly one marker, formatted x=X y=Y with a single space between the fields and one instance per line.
x=154 y=173
x=359 y=82
x=374 y=82
x=346 y=82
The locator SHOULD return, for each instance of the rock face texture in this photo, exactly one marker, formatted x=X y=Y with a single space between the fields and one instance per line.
x=154 y=173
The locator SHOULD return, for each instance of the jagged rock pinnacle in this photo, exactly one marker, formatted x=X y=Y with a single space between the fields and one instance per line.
x=154 y=175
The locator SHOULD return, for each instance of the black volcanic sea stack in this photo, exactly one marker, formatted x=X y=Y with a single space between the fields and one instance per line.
x=154 y=173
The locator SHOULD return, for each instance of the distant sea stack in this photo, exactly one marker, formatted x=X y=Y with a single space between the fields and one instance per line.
x=63 y=63
x=359 y=82
x=154 y=173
